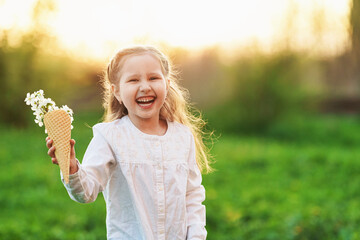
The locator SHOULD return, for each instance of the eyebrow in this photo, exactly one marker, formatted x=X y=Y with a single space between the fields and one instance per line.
x=138 y=75
x=132 y=76
x=154 y=73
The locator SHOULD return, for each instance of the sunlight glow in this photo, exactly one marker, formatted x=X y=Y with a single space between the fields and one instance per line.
x=97 y=27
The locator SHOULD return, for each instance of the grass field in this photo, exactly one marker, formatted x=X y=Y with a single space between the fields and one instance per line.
x=297 y=181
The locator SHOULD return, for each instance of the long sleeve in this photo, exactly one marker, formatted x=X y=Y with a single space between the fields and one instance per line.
x=195 y=195
x=95 y=170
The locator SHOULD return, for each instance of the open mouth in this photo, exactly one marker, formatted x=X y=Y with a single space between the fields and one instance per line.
x=145 y=102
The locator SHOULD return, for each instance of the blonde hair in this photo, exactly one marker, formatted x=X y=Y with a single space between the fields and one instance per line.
x=176 y=106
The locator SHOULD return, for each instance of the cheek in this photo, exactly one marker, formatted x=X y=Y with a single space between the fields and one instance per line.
x=163 y=87
x=162 y=99
x=127 y=94
x=161 y=91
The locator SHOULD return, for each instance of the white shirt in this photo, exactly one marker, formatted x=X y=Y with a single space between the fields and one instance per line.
x=151 y=184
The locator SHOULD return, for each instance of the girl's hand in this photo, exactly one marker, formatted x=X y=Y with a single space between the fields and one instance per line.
x=51 y=153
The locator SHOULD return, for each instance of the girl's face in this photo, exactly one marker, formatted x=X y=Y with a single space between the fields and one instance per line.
x=142 y=87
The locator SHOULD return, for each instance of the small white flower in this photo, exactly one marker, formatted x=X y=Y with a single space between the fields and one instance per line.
x=51 y=108
x=33 y=101
x=67 y=109
x=30 y=99
x=41 y=105
x=38 y=113
x=27 y=99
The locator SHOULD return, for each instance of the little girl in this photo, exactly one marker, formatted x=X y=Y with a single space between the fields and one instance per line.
x=147 y=156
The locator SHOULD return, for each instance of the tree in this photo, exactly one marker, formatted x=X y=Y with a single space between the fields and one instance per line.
x=355 y=42
x=18 y=65
x=355 y=29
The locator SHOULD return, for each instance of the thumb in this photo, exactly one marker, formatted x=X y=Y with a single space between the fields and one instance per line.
x=72 y=148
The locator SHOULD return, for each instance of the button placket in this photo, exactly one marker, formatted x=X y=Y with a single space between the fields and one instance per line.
x=160 y=191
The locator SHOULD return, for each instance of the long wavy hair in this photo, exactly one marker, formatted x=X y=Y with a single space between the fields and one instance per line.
x=176 y=106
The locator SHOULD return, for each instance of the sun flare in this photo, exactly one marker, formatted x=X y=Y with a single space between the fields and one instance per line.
x=96 y=28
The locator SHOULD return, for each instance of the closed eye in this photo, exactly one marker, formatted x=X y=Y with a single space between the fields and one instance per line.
x=154 y=78
x=132 y=80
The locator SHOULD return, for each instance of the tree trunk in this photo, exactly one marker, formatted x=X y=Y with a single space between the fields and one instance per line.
x=355 y=31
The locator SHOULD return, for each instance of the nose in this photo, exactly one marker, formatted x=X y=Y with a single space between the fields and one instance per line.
x=144 y=86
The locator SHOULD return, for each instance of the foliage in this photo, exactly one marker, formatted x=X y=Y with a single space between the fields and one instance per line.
x=26 y=67
x=318 y=129
x=266 y=89
x=16 y=71
x=299 y=181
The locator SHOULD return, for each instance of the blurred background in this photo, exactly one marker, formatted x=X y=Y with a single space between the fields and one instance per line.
x=277 y=81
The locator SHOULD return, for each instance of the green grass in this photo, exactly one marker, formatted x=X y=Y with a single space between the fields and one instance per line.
x=292 y=183
x=33 y=202
x=265 y=189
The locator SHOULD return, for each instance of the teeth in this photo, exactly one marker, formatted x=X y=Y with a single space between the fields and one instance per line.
x=145 y=100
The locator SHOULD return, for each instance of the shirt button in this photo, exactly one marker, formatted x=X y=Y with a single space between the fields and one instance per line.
x=157 y=144
x=160 y=188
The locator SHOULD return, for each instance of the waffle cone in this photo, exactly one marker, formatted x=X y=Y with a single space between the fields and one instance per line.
x=58 y=127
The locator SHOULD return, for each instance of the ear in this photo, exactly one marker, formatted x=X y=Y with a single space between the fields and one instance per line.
x=115 y=91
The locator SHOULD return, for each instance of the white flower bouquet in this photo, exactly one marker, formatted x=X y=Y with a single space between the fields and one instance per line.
x=41 y=105
x=57 y=123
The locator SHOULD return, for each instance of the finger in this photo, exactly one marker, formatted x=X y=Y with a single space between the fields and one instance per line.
x=54 y=161
x=51 y=152
x=49 y=143
x=47 y=138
